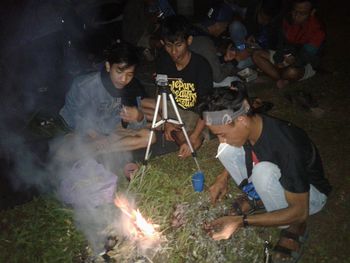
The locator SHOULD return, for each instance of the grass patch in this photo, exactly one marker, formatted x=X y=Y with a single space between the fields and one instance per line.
x=166 y=184
x=40 y=231
x=43 y=230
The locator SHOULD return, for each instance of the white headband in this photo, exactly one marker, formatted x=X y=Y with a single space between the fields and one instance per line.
x=224 y=116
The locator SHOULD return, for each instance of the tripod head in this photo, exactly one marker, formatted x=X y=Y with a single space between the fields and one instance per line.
x=162 y=80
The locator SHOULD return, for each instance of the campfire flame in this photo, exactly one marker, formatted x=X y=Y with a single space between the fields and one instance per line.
x=137 y=225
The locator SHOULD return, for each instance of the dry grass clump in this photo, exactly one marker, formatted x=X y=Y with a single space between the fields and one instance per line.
x=165 y=195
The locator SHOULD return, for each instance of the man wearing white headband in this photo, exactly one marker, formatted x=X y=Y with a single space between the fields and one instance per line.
x=273 y=162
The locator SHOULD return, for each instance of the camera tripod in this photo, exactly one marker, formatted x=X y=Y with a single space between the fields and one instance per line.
x=163 y=94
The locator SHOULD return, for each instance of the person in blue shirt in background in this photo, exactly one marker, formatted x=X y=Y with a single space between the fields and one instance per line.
x=256 y=25
x=259 y=25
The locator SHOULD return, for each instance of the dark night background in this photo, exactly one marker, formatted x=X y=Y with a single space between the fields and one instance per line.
x=44 y=45
x=40 y=56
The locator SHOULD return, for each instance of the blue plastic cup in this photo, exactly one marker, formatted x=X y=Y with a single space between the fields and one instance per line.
x=198 y=181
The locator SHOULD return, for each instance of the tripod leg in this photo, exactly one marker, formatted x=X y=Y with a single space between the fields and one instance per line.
x=165 y=106
x=173 y=103
x=194 y=154
x=152 y=128
x=148 y=146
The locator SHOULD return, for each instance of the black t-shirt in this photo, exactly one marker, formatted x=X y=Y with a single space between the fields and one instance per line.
x=128 y=94
x=197 y=79
x=293 y=152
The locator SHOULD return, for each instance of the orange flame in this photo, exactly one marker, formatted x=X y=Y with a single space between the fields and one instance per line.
x=137 y=225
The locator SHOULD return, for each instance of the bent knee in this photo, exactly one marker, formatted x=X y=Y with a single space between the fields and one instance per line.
x=264 y=172
x=293 y=73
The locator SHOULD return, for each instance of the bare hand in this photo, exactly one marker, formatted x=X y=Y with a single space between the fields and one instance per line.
x=251 y=40
x=289 y=59
x=219 y=189
x=92 y=134
x=101 y=143
x=168 y=128
x=185 y=150
x=230 y=54
x=242 y=55
x=223 y=227
x=131 y=114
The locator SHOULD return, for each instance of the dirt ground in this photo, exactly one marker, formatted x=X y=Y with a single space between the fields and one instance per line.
x=329 y=230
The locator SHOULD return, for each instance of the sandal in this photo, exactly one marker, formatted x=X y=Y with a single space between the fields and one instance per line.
x=290 y=246
x=244 y=205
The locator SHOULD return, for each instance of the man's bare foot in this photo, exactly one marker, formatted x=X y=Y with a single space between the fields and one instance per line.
x=282 y=83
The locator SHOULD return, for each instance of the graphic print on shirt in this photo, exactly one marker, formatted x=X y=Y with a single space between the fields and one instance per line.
x=111 y=107
x=184 y=93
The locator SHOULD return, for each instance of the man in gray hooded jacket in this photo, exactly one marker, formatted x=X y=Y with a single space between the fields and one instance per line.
x=102 y=108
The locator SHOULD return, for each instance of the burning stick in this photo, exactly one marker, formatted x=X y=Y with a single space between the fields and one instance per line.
x=139 y=238
x=136 y=219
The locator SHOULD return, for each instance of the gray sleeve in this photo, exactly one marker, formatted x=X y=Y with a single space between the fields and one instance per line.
x=205 y=47
x=79 y=110
x=74 y=101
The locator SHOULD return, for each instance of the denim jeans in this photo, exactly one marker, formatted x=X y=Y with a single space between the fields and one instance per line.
x=265 y=178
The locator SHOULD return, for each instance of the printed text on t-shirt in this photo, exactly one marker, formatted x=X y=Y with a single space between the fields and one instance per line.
x=184 y=93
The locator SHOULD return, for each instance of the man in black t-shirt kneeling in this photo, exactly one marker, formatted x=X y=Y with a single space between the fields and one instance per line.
x=190 y=78
x=273 y=162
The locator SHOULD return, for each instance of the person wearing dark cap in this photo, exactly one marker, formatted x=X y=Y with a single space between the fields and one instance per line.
x=274 y=163
x=204 y=33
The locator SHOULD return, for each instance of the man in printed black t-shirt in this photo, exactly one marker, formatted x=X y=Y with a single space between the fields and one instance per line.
x=190 y=79
x=186 y=89
x=275 y=164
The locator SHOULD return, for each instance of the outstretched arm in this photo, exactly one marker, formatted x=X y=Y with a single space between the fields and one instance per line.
x=219 y=189
x=296 y=212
